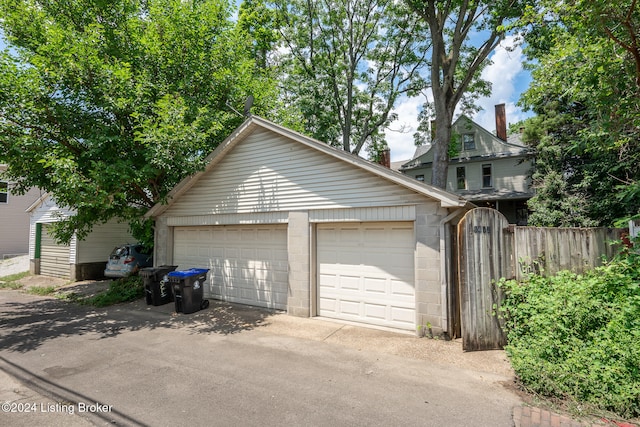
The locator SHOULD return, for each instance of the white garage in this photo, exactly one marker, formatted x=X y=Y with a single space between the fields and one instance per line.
x=79 y=260
x=248 y=264
x=366 y=273
x=284 y=221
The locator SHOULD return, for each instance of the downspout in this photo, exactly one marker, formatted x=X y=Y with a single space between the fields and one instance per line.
x=444 y=251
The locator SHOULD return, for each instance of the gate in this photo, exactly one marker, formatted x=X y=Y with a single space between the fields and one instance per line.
x=485 y=254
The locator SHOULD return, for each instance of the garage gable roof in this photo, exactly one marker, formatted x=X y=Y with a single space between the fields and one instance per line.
x=254 y=123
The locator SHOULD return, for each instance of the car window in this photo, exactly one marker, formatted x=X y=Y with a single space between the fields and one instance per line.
x=143 y=250
x=121 y=251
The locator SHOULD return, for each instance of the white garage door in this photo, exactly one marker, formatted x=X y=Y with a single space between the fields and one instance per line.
x=248 y=264
x=366 y=274
x=54 y=258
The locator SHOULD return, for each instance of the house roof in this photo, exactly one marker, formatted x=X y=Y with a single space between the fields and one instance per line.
x=38 y=202
x=445 y=198
x=513 y=140
x=495 y=194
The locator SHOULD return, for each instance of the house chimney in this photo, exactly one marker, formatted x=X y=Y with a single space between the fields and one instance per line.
x=501 y=122
x=385 y=158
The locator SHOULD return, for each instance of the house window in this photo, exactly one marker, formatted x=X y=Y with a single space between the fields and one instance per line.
x=461 y=178
x=487 y=180
x=420 y=178
x=468 y=141
x=4 y=192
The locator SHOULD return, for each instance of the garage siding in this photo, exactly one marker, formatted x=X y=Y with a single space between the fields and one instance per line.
x=248 y=264
x=366 y=273
x=54 y=258
x=288 y=176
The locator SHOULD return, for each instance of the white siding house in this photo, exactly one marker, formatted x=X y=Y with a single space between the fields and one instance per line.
x=14 y=220
x=80 y=259
x=287 y=222
x=487 y=170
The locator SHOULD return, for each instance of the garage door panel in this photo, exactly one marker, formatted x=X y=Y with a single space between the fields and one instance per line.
x=54 y=258
x=375 y=286
x=401 y=289
x=366 y=274
x=350 y=308
x=400 y=315
x=248 y=264
x=375 y=311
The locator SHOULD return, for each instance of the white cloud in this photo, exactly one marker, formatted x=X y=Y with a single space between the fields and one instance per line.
x=503 y=73
x=400 y=136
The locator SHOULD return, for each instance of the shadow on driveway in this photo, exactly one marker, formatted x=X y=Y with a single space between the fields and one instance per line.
x=28 y=321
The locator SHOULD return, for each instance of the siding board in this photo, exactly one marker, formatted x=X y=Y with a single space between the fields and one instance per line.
x=268 y=172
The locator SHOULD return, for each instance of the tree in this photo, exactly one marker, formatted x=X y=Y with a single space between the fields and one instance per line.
x=457 y=60
x=586 y=78
x=108 y=105
x=260 y=23
x=345 y=65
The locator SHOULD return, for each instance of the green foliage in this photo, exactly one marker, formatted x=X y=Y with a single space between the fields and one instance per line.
x=120 y=290
x=586 y=92
x=577 y=337
x=345 y=64
x=108 y=105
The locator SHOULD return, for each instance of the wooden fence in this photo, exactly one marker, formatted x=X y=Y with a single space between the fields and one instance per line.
x=489 y=249
x=547 y=251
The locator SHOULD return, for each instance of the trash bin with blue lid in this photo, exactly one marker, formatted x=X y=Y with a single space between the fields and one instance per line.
x=187 y=288
x=157 y=288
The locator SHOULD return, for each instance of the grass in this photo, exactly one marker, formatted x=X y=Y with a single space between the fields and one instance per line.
x=41 y=290
x=11 y=281
x=120 y=290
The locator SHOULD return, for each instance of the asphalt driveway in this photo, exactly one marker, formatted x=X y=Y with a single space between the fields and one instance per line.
x=135 y=364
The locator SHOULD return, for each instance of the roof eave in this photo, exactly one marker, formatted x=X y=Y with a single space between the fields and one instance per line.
x=446 y=199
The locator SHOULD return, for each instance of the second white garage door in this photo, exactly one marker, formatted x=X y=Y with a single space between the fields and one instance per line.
x=248 y=264
x=366 y=274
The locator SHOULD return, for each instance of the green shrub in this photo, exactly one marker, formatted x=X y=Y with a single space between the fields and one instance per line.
x=120 y=290
x=577 y=337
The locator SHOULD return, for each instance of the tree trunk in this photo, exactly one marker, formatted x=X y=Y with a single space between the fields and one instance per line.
x=440 y=167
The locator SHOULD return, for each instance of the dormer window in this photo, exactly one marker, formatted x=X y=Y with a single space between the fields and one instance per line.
x=468 y=142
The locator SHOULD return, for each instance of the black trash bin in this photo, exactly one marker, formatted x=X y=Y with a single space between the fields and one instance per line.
x=157 y=288
x=187 y=288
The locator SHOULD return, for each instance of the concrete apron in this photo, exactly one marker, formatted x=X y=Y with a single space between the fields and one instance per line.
x=218 y=324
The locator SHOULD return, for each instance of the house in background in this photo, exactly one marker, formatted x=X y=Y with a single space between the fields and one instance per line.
x=14 y=227
x=313 y=230
x=79 y=260
x=489 y=170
